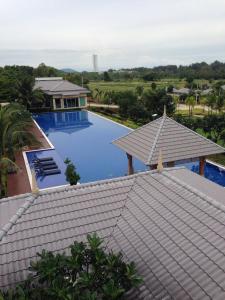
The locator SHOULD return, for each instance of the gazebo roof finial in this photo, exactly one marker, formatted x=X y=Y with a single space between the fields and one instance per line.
x=34 y=187
x=160 y=162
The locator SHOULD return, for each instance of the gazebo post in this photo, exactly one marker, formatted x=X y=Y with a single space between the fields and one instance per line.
x=130 y=164
x=201 y=165
x=153 y=167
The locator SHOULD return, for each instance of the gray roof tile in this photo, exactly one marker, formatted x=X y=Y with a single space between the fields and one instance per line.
x=59 y=87
x=176 y=142
x=161 y=221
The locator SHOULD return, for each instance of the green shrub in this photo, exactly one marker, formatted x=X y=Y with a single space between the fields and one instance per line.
x=71 y=175
x=88 y=273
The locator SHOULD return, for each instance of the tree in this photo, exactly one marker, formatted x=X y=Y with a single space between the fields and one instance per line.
x=211 y=101
x=150 y=76
x=98 y=94
x=27 y=95
x=125 y=100
x=71 y=175
x=45 y=71
x=190 y=101
x=170 y=88
x=106 y=76
x=154 y=102
x=213 y=126
x=139 y=90
x=14 y=135
x=87 y=273
x=137 y=111
x=153 y=85
x=220 y=102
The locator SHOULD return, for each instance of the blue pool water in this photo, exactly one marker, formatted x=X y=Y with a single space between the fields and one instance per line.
x=85 y=138
x=212 y=172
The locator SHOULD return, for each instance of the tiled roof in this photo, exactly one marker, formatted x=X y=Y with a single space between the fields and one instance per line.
x=174 y=232
x=175 y=141
x=181 y=91
x=59 y=87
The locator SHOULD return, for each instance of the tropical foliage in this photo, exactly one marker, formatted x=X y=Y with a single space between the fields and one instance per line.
x=87 y=273
x=14 y=135
x=71 y=175
x=211 y=126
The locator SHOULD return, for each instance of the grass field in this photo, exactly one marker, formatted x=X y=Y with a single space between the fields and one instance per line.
x=131 y=85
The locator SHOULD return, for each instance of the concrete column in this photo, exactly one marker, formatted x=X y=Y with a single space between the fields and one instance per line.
x=62 y=103
x=201 y=165
x=53 y=102
x=130 y=164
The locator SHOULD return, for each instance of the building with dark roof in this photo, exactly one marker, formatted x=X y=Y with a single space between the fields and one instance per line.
x=63 y=94
x=170 y=223
x=175 y=142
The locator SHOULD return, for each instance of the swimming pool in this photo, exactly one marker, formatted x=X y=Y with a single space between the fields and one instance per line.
x=86 y=138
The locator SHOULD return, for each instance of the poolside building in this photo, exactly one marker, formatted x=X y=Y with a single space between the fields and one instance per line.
x=170 y=223
x=176 y=143
x=63 y=94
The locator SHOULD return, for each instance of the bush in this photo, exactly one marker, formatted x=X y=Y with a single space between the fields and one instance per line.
x=88 y=273
x=71 y=175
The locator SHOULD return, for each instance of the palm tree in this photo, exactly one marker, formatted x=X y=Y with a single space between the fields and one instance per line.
x=27 y=95
x=219 y=105
x=14 y=122
x=211 y=101
x=190 y=101
x=98 y=94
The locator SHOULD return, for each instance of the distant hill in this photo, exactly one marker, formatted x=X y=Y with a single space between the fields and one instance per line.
x=68 y=70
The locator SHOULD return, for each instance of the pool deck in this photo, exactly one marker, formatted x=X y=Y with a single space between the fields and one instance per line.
x=18 y=183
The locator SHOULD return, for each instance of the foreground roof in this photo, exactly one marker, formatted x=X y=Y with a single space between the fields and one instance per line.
x=58 y=86
x=175 y=141
x=171 y=224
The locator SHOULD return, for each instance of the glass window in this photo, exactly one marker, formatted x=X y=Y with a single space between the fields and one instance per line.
x=58 y=103
x=70 y=102
x=82 y=101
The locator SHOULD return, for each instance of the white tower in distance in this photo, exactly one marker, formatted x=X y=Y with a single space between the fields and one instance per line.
x=95 y=63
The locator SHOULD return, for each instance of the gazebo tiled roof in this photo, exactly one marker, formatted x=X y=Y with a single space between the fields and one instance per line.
x=175 y=141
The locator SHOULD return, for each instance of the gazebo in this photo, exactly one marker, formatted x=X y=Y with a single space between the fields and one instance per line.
x=172 y=140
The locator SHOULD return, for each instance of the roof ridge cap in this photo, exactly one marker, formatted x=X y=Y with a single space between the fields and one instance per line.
x=195 y=191
x=59 y=83
x=21 y=210
x=156 y=138
x=121 y=211
x=196 y=133
x=134 y=130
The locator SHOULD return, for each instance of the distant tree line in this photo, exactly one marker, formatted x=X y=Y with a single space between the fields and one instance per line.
x=215 y=70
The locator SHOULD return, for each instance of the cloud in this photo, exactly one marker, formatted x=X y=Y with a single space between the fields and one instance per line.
x=122 y=32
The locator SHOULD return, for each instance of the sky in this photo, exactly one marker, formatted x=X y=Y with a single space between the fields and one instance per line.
x=65 y=33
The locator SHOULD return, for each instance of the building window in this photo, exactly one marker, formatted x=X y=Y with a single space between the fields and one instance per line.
x=82 y=101
x=71 y=102
x=58 y=103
